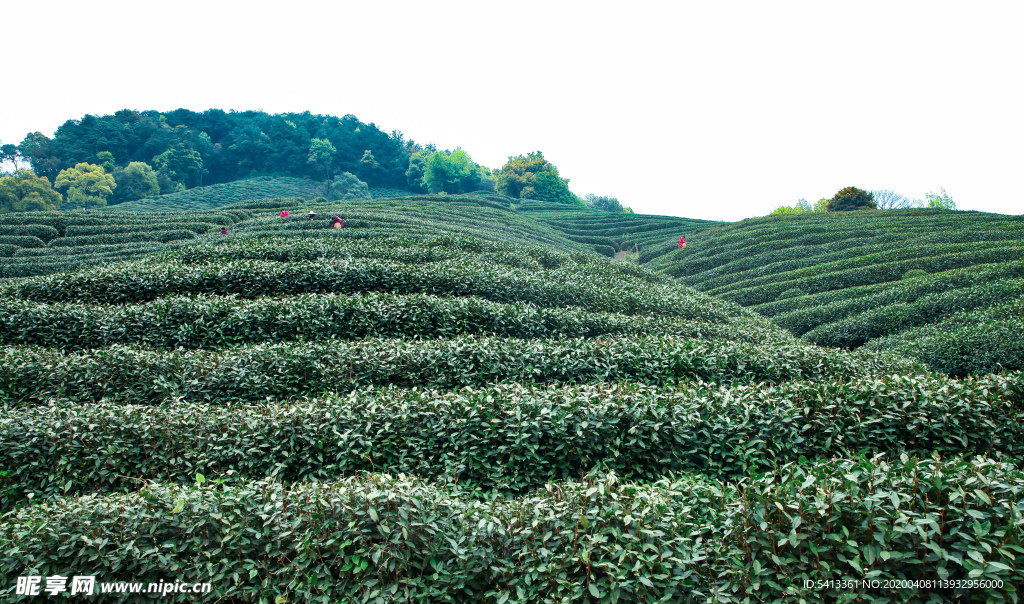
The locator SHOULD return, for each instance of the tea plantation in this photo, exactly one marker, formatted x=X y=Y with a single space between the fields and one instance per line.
x=646 y=235
x=458 y=399
x=938 y=286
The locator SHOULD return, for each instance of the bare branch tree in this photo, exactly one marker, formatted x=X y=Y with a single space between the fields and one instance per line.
x=890 y=200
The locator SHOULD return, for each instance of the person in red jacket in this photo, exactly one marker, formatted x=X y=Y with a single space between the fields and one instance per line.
x=682 y=242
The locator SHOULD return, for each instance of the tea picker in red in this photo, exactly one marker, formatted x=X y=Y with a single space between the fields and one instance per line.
x=682 y=242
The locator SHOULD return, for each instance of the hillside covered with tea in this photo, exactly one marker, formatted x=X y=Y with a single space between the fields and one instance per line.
x=940 y=286
x=461 y=398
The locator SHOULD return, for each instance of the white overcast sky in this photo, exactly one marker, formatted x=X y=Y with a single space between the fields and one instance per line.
x=719 y=110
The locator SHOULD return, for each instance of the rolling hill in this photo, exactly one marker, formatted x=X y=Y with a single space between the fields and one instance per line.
x=455 y=399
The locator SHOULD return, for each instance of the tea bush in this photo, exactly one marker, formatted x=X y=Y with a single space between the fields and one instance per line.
x=214 y=322
x=978 y=341
x=688 y=539
x=857 y=329
x=21 y=241
x=508 y=437
x=595 y=287
x=39 y=231
x=196 y=227
x=116 y=238
x=32 y=375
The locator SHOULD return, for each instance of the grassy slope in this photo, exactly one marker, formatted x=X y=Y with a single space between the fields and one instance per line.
x=487 y=353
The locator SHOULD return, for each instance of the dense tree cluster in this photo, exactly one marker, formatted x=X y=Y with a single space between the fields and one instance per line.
x=189 y=149
x=606 y=203
x=533 y=177
x=130 y=155
x=801 y=207
x=26 y=192
x=851 y=198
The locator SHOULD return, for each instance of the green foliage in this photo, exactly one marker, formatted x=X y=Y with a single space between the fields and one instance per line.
x=857 y=328
x=940 y=201
x=86 y=185
x=791 y=293
x=106 y=160
x=21 y=241
x=547 y=433
x=321 y=158
x=417 y=168
x=217 y=146
x=608 y=233
x=401 y=539
x=42 y=231
x=454 y=172
x=914 y=273
x=161 y=395
x=173 y=322
x=347 y=186
x=253 y=373
x=968 y=342
x=593 y=286
x=605 y=203
x=851 y=198
x=26 y=192
x=533 y=177
x=136 y=181
x=801 y=207
x=180 y=167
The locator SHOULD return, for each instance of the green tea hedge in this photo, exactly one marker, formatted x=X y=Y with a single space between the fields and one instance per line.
x=40 y=231
x=598 y=287
x=392 y=539
x=507 y=437
x=114 y=238
x=22 y=241
x=217 y=322
x=980 y=341
x=31 y=375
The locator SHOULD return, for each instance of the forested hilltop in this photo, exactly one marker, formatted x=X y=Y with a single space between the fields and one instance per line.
x=216 y=146
x=112 y=159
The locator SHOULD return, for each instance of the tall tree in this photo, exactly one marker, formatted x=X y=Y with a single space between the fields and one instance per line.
x=136 y=181
x=533 y=177
x=454 y=172
x=87 y=185
x=26 y=192
x=10 y=153
x=321 y=157
x=886 y=199
x=181 y=164
x=39 y=150
x=851 y=198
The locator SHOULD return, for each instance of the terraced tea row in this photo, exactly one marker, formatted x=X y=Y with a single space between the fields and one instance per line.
x=608 y=233
x=32 y=375
x=598 y=287
x=845 y=279
x=214 y=322
x=686 y=540
x=51 y=242
x=966 y=342
x=508 y=437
